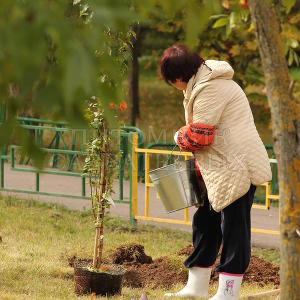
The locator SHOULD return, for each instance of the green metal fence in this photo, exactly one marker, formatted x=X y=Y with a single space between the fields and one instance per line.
x=59 y=146
x=12 y=158
x=58 y=130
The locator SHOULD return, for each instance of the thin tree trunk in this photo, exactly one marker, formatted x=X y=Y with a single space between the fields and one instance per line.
x=98 y=246
x=101 y=238
x=101 y=233
x=133 y=78
x=286 y=135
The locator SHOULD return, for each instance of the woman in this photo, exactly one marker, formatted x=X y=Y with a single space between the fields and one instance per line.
x=220 y=131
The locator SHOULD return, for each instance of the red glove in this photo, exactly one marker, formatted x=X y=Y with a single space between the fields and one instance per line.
x=195 y=136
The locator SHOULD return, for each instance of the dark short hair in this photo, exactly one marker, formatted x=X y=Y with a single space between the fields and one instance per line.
x=177 y=62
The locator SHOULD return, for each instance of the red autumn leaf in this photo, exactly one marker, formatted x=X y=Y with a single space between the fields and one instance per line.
x=123 y=106
x=244 y=4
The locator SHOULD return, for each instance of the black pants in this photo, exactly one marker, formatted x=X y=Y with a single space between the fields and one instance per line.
x=233 y=226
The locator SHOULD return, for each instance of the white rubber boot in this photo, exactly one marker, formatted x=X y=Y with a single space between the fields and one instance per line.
x=229 y=287
x=197 y=285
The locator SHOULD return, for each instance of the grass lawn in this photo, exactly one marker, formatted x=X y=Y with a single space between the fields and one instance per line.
x=37 y=240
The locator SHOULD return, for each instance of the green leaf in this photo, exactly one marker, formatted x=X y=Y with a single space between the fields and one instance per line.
x=6 y=130
x=288 y=4
x=80 y=71
x=291 y=57
x=228 y=30
x=296 y=58
x=295 y=74
x=197 y=18
x=215 y=17
x=221 y=22
x=232 y=20
x=294 y=43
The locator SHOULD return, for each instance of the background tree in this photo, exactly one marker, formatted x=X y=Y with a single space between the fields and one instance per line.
x=133 y=76
x=285 y=113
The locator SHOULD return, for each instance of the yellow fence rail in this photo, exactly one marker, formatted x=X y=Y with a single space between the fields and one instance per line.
x=134 y=181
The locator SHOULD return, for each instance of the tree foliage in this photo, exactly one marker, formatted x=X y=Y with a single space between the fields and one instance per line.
x=55 y=54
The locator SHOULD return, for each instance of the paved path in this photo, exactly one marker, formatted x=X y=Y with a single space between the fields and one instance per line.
x=266 y=219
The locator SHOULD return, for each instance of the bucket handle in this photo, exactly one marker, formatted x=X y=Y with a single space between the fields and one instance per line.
x=170 y=155
x=176 y=161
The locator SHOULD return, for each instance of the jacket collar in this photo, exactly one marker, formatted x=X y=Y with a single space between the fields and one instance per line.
x=202 y=75
x=187 y=92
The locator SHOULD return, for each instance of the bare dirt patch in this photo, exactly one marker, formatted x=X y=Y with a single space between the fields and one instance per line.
x=157 y=274
x=142 y=270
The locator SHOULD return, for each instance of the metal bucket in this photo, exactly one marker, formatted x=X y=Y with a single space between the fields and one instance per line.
x=173 y=186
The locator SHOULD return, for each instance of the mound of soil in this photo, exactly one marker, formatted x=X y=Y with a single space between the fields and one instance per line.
x=142 y=271
x=262 y=272
x=259 y=270
x=186 y=251
x=157 y=274
x=131 y=253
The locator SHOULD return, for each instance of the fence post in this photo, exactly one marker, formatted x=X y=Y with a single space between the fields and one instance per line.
x=57 y=140
x=12 y=152
x=186 y=210
x=72 y=156
x=133 y=178
x=268 y=193
x=83 y=186
x=37 y=182
x=124 y=152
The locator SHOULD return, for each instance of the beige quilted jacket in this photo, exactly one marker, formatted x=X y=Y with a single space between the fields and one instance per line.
x=237 y=156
